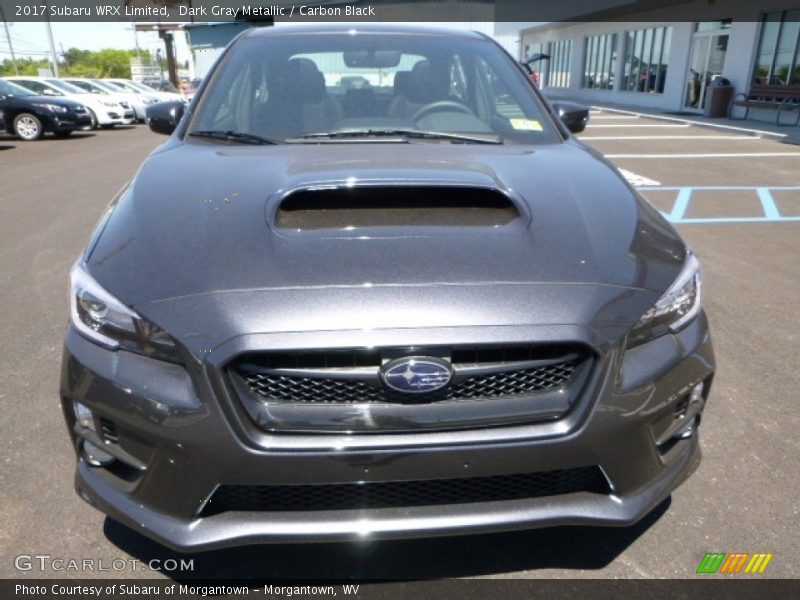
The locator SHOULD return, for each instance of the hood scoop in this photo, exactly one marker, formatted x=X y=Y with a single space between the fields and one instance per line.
x=348 y=209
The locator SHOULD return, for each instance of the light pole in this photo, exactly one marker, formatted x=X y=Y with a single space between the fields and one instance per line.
x=50 y=39
x=8 y=36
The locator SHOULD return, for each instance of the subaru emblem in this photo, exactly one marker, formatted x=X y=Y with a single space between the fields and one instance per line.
x=416 y=374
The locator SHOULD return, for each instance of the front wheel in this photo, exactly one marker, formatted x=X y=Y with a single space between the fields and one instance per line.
x=28 y=127
x=93 y=117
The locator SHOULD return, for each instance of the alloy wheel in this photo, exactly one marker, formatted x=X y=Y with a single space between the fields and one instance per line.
x=28 y=127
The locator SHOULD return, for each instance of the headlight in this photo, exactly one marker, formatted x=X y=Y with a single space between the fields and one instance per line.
x=52 y=108
x=106 y=321
x=675 y=309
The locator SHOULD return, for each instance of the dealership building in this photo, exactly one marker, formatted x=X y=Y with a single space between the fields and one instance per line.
x=661 y=60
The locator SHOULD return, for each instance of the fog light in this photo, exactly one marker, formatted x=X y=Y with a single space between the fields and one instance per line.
x=83 y=415
x=95 y=456
x=693 y=411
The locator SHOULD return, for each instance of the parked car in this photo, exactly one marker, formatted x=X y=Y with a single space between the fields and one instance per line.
x=324 y=314
x=104 y=112
x=122 y=97
x=137 y=102
x=141 y=88
x=29 y=116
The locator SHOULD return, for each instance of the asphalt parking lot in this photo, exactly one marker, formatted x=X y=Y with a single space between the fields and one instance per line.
x=734 y=196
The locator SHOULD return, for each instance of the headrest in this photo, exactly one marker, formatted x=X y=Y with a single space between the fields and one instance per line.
x=401 y=80
x=425 y=85
x=303 y=82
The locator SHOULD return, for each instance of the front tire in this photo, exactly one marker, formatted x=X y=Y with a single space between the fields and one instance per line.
x=93 y=116
x=28 y=127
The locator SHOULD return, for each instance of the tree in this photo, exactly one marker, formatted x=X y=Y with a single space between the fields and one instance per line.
x=75 y=62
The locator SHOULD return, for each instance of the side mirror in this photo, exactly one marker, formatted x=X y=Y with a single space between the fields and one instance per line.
x=574 y=116
x=163 y=117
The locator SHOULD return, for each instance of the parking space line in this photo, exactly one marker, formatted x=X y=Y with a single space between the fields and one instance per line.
x=639 y=125
x=768 y=203
x=615 y=117
x=684 y=196
x=670 y=137
x=706 y=155
x=681 y=204
x=690 y=121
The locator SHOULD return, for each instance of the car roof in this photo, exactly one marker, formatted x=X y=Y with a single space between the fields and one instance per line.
x=349 y=28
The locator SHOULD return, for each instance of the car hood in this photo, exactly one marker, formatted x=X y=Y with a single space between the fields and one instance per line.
x=195 y=221
x=58 y=101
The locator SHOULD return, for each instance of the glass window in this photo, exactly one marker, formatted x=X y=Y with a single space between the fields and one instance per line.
x=539 y=68
x=646 y=58
x=778 y=56
x=558 y=71
x=712 y=25
x=601 y=58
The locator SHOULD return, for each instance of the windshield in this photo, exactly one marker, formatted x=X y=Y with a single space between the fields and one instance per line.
x=65 y=86
x=12 y=89
x=127 y=86
x=135 y=86
x=88 y=86
x=295 y=85
x=107 y=85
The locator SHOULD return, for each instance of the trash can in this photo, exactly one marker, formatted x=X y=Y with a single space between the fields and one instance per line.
x=720 y=94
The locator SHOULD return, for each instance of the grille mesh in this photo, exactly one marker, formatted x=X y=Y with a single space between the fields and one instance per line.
x=278 y=388
x=388 y=494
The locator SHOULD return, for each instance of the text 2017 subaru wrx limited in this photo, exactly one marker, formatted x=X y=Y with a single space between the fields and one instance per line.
x=371 y=287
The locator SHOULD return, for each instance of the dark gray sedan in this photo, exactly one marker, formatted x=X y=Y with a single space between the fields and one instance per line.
x=411 y=307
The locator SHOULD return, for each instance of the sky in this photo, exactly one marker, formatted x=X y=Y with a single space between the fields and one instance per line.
x=30 y=39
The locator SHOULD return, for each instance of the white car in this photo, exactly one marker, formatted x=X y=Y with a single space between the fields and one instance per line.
x=146 y=89
x=139 y=100
x=97 y=86
x=105 y=112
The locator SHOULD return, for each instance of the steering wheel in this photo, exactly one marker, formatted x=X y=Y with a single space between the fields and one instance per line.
x=440 y=106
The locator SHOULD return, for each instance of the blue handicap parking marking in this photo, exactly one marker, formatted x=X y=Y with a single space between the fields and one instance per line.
x=684 y=196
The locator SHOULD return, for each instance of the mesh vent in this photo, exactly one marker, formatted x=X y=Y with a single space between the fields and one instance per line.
x=277 y=388
x=389 y=494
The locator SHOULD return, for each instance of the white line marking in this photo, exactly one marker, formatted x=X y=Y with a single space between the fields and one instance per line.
x=690 y=121
x=615 y=117
x=637 y=180
x=743 y=138
x=713 y=155
x=640 y=125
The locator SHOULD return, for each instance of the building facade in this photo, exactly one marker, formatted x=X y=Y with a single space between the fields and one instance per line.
x=657 y=61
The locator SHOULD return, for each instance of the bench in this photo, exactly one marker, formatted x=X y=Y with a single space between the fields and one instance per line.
x=779 y=97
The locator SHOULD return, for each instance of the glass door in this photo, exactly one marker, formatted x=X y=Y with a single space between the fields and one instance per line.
x=706 y=62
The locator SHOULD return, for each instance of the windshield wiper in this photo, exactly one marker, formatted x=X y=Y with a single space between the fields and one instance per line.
x=234 y=136
x=404 y=133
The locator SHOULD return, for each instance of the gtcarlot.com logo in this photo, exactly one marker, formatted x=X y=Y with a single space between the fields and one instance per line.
x=46 y=562
x=734 y=563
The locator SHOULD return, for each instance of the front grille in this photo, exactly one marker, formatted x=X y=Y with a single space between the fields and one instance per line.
x=277 y=388
x=512 y=375
x=394 y=494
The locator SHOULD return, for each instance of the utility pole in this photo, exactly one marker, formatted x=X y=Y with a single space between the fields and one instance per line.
x=8 y=36
x=52 y=43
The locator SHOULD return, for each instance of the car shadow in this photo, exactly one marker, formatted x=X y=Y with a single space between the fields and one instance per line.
x=6 y=147
x=579 y=547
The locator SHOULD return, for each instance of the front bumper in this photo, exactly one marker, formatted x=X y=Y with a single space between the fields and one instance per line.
x=180 y=433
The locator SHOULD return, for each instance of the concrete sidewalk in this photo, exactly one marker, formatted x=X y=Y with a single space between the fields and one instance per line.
x=788 y=135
